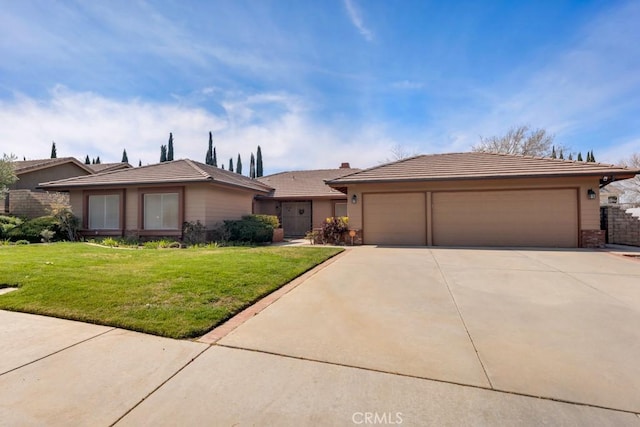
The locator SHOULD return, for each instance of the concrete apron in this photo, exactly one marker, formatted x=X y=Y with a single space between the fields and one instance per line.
x=555 y=324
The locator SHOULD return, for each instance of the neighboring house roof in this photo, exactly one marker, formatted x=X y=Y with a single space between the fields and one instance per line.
x=105 y=167
x=305 y=184
x=174 y=172
x=456 y=166
x=26 y=166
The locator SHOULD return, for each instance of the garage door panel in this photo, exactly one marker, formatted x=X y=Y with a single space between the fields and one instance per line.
x=506 y=218
x=394 y=219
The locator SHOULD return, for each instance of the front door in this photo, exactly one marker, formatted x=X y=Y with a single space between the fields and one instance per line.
x=296 y=218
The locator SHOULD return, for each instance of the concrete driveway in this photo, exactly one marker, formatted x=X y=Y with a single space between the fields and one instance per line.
x=411 y=336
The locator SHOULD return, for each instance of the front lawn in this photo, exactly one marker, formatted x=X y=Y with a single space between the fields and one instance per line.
x=178 y=293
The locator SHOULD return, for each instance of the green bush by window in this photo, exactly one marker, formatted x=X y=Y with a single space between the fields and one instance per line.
x=251 y=228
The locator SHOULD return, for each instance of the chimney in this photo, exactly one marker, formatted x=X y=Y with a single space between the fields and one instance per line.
x=345 y=165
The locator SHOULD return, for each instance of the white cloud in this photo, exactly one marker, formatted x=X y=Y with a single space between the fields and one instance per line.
x=84 y=123
x=356 y=19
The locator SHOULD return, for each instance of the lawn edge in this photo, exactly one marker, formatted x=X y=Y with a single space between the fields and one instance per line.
x=225 y=328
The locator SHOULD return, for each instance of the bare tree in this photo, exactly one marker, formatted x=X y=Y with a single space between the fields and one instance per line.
x=631 y=187
x=399 y=152
x=520 y=140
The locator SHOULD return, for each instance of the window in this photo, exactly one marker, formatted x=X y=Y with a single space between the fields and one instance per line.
x=340 y=209
x=104 y=212
x=161 y=211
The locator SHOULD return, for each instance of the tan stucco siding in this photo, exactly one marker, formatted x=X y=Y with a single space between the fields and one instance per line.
x=77 y=206
x=321 y=209
x=589 y=210
x=31 y=180
x=196 y=199
x=131 y=201
x=219 y=204
x=267 y=207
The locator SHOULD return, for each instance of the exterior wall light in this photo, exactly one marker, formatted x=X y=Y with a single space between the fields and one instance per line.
x=591 y=194
x=354 y=199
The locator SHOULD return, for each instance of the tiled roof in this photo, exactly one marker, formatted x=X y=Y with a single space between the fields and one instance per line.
x=25 y=166
x=174 y=172
x=305 y=184
x=104 y=167
x=439 y=167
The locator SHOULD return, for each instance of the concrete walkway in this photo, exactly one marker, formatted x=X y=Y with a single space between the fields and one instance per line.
x=410 y=336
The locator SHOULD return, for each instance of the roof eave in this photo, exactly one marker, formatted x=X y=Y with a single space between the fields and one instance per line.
x=618 y=175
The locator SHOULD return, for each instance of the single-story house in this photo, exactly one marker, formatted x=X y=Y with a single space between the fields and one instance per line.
x=479 y=199
x=155 y=200
x=302 y=200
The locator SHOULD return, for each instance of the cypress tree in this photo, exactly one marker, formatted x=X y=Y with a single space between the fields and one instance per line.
x=54 y=152
x=170 y=149
x=252 y=167
x=98 y=160
x=93 y=161
x=259 y=169
x=87 y=161
x=553 y=152
x=593 y=158
x=214 y=162
x=570 y=156
x=163 y=153
x=580 y=157
x=139 y=163
x=239 y=165
x=561 y=155
x=231 y=165
x=125 y=159
x=209 y=158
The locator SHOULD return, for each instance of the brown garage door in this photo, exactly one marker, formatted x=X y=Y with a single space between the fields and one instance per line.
x=394 y=219
x=506 y=218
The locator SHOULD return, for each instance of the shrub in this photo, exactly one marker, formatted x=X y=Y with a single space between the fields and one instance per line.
x=333 y=228
x=22 y=242
x=47 y=235
x=194 y=233
x=251 y=228
x=162 y=244
x=219 y=233
x=271 y=220
x=110 y=241
x=68 y=224
x=31 y=230
x=8 y=223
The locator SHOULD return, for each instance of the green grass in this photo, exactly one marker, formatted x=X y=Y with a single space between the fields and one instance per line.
x=178 y=293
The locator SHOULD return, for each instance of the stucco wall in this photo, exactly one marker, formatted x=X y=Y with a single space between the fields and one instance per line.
x=321 y=209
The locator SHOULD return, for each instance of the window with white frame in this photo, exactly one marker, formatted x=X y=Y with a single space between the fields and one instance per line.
x=161 y=211
x=104 y=212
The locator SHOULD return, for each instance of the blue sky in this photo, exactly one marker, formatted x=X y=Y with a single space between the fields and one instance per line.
x=315 y=83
